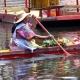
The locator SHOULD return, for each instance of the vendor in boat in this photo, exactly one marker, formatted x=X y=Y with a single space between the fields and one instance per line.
x=23 y=35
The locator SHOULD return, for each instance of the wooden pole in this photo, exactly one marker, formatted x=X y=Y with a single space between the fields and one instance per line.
x=77 y=2
x=26 y=4
x=5 y=5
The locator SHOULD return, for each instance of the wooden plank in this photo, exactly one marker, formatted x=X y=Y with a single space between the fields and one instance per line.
x=71 y=13
x=16 y=9
x=72 y=6
x=69 y=17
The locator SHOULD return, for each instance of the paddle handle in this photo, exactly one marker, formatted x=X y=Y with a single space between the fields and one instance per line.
x=67 y=54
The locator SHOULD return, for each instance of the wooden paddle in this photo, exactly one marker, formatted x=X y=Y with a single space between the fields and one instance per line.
x=67 y=54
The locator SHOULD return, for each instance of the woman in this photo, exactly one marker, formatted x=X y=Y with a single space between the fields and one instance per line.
x=23 y=34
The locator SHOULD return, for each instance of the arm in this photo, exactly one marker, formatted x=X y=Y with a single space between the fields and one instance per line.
x=27 y=36
x=42 y=37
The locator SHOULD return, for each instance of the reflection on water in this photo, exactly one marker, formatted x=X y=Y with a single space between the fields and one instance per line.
x=40 y=68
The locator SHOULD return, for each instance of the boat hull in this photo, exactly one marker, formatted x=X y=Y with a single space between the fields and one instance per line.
x=56 y=50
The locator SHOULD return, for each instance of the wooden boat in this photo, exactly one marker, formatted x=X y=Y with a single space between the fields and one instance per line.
x=59 y=21
x=7 y=54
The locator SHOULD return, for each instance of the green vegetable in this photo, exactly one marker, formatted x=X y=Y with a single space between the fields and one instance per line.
x=63 y=43
x=51 y=43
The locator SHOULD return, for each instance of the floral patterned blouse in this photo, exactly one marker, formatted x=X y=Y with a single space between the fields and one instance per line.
x=26 y=31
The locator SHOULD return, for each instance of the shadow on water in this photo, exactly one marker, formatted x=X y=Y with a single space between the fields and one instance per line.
x=62 y=25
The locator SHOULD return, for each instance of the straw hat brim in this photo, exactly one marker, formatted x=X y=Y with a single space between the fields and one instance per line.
x=22 y=18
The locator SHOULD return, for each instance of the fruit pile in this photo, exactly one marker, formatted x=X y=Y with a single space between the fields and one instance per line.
x=51 y=43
